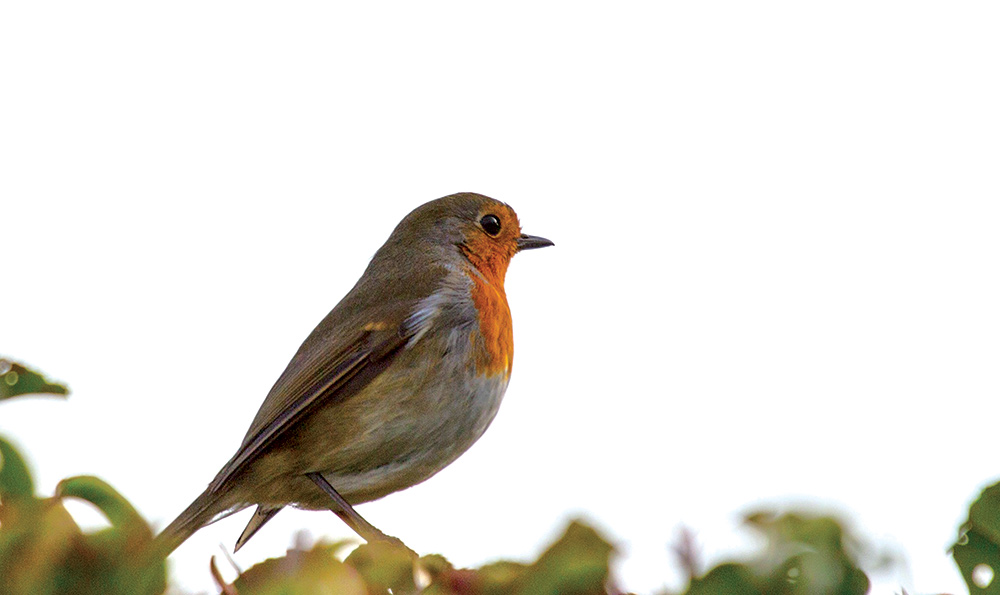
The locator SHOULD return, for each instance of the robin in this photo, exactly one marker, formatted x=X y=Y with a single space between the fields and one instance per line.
x=398 y=380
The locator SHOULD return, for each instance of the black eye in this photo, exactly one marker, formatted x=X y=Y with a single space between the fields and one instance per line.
x=491 y=224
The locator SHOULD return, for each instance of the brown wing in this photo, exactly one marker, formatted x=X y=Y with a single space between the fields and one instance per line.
x=356 y=341
x=329 y=366
x=327 y=369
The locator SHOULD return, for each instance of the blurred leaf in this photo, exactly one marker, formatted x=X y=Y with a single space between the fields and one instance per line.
x=978 y=559
x=435 y=564
x=808 y=554
x=16 y=380
x=493 y=579
x=302 y=572
x=984 y=514
x=121 y=514
x=805 y=555
x=499 y=577
x=576 y=564
x=977 y=551
x=43 y=551
x=35 y=536
x=384 y=566
x=15 y=479
x=727 y=579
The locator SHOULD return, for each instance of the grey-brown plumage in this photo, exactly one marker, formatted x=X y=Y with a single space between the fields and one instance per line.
x=399 y=379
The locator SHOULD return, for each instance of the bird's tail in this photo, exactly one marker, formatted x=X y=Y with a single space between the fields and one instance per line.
x=205 y=509
x=261 y=516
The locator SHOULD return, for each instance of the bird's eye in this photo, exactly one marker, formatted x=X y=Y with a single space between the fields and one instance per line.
x=491 y=224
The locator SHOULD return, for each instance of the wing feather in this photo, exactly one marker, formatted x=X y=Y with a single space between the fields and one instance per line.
x=322 y=381
x=355 y=343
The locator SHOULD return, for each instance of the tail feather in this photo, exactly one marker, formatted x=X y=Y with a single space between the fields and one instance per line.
x=205 y=509
x=260 y=516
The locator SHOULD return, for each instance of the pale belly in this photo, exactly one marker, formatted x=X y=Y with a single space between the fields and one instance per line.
x=410 y=422
x=417 y=440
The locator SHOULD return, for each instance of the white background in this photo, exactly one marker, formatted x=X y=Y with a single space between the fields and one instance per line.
x=775 y=278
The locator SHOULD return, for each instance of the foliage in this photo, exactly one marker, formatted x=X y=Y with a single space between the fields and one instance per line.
x=804 y=554
x=576 y=564
x=16 y=380
x=977 y=551
x=43 y=551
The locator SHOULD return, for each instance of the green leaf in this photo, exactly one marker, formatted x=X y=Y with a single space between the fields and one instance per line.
x=120 y=512
x=16 y=380
x=807 y=555
x=302 y=572
x=15 y=478
x=984 y=514
x=726 y=579
x=36 y=537
x=43 y=551
x=977 y=552
x=578 y=563
x=978 y=558
x=384 y=566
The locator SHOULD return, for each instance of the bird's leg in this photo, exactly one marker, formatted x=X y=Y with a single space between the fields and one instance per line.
x=343 y=509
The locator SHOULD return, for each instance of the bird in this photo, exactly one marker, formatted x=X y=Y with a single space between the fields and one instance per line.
x=403 y=375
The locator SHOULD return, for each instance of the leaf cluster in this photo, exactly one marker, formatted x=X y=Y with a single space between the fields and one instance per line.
x=42 y=549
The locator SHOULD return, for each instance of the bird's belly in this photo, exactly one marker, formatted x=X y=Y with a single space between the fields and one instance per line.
x=409 y=423
x=419 y=442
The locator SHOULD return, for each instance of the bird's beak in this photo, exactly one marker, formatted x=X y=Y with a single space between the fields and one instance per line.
x=526 y=242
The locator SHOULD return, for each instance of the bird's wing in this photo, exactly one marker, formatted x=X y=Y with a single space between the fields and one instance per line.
x=329 y=367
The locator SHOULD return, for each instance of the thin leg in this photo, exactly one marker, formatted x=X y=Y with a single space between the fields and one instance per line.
x=343 y=509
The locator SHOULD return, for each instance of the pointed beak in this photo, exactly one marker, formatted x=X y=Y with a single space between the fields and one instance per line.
x=526 y=242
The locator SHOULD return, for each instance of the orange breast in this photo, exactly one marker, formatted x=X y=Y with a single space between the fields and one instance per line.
x=495 y=354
